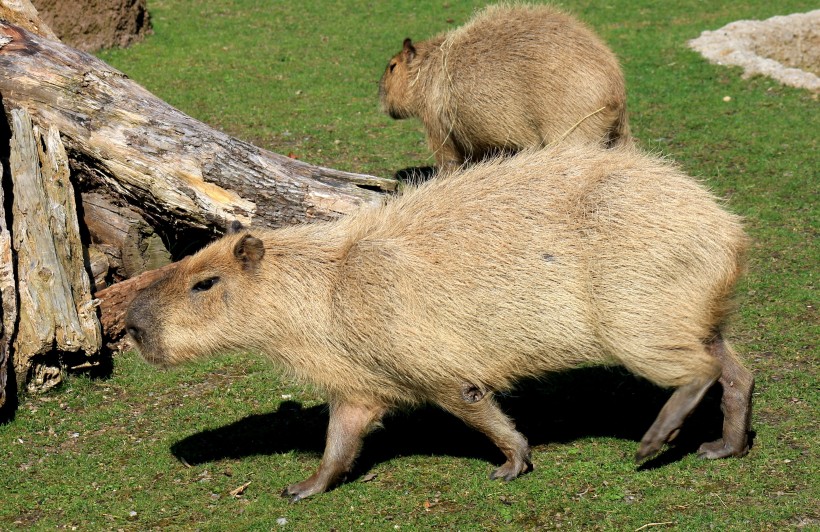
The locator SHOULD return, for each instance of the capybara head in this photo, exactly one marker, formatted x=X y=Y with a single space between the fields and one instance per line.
x=200 y=307
x=396 y=94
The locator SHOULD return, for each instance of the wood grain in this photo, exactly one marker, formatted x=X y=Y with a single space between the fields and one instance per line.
x=123 y=139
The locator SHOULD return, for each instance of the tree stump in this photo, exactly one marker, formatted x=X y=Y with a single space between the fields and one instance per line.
x=56 y=312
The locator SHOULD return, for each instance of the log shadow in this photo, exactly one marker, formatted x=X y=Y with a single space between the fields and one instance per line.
x=565 y=407
x=5 y=141
x=9 y=409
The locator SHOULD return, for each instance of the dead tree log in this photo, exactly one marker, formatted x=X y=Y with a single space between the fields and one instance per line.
x=138 y=163
x=125 y=140
x=56 y=312
x=126 y=240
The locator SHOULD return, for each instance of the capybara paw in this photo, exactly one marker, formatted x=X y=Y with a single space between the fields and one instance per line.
x=720 y=449
x=301 y=490
x=512 y=469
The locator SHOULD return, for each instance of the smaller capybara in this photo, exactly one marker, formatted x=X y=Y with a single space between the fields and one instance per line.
x=515 y=76
x=458 y=289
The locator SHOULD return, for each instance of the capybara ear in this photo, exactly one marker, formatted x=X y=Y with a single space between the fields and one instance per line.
x=235 y=227
x=408 y=49
x=249 y=250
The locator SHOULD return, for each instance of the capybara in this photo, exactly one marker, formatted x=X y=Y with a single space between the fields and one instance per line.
x=513 y=77
x=456 y=290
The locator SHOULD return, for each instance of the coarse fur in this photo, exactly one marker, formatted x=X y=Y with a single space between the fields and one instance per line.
x=456 y=290
x=515 y=76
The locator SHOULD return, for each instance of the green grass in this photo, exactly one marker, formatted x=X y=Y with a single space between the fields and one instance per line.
x=302 y=78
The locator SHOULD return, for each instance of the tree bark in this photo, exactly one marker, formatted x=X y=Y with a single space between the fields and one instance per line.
x=125 y=140
x=24 y=14
x=56 y=312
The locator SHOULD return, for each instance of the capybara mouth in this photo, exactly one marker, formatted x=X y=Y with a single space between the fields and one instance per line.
x=155 y=358
x=395 y=115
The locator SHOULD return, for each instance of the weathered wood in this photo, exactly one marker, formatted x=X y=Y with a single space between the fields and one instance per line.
x=120 y=231
x=24 y=14
x=56 y=311
x=126 y=140
x=114 y=300
x=8 y=295
x=98 y=268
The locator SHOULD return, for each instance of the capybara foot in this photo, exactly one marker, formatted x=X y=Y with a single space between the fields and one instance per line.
x=667 y=425
x=512 y=469
x=721 y=449
x=652 y=443
x=302 y=490
x=648 y=449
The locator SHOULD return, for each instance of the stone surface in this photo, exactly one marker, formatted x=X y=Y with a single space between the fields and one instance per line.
x=785 y=48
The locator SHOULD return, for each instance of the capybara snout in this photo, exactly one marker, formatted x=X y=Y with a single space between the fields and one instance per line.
x=199 y=302
x=462 y=287
x=141 y=324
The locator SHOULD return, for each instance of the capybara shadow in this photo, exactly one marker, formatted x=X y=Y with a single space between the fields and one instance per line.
x=415 y=175
x=581 y=403
x=291 y=427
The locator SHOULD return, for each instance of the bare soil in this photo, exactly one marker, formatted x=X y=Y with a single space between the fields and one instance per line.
x=94 y=24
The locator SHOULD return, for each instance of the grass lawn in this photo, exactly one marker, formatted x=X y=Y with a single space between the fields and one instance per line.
x=147 y=449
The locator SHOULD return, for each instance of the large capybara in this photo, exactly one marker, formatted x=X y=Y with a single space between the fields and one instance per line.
x=513 y=77
x=456 y=290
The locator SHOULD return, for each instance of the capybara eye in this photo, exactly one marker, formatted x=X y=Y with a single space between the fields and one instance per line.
x=392 y=66
x=205 y=284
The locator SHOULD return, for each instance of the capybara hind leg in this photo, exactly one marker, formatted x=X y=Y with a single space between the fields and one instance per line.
x=485 y=416
x=349 y=423
x=672 y=415
x=736 y=404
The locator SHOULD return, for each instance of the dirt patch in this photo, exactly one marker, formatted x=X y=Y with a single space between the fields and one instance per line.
x=786 y=48
x=94 y=24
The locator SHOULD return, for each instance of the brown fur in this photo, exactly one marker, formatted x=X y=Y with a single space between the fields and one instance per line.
x=460 y=288
x=513 y=77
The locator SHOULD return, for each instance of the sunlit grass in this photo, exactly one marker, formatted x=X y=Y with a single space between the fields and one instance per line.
x=150 y=449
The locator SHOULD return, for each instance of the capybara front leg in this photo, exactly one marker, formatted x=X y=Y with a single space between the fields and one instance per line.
x=348 y=425
x=484 y=415
x=672 y=415
x=736 y=404
x=448 y=158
